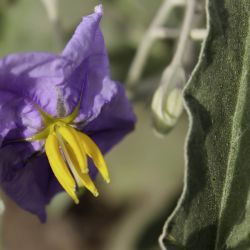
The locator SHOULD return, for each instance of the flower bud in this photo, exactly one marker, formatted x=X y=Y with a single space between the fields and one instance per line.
x=167 y=105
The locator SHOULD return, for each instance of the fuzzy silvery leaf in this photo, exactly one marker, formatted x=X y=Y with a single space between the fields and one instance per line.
x=214 y=210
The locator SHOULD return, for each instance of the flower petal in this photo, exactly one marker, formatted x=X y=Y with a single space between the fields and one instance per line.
x=24 y=79
x=30 y=183
x=89 y=71
x=80 y=46
x=114 y=122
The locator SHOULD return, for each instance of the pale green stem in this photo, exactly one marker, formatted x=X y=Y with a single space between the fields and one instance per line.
x=185 y=31
x=51 y=7
x=181 y=46
x=148 y=40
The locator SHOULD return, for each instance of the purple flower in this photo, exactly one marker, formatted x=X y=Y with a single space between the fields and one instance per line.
x=67 y=111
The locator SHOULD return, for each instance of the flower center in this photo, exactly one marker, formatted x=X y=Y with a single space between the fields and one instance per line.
x=68 y=150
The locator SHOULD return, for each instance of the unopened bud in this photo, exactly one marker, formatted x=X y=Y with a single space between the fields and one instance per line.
x=167 y=105
x=174 y=106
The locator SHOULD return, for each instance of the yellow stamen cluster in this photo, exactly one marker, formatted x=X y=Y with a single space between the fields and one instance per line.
x=68 y=150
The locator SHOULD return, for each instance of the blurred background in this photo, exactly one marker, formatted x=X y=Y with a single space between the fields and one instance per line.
x=146 y=171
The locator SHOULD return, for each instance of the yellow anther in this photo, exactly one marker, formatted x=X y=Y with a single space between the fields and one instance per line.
x=67 y=151
x=94 y=152
x=59 y=167
x=84 y=178
x=70 y=136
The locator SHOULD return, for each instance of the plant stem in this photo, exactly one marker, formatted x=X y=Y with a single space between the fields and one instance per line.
x=176 y=62
x=185 y=30
x=148 y=40
x=51 y=7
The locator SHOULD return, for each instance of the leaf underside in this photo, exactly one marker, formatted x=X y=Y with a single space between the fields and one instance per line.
x=214 y=211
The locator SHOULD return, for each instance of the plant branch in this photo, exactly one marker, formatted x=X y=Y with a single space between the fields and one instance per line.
x=148 y=40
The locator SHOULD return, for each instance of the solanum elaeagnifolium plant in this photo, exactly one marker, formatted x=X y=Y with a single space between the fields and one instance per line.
x=58 y=115
x=214 y=209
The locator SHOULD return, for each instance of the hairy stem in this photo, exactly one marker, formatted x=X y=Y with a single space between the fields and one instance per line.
x=185 y=30
x=148 y=40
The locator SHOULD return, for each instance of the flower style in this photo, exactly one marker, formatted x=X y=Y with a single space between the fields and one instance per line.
x=67 y=111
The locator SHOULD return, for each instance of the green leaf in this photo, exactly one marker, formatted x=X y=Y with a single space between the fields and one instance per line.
x=214 y=210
